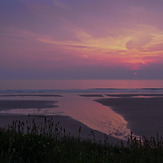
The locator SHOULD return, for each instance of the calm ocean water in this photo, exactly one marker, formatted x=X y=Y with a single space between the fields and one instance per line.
x=65 y=86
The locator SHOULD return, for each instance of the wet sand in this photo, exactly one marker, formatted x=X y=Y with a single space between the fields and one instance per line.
x=29 y=95
x=135 y=95
x=70 y=125
x=144 y=115
x=92 y=95
x=26 y=104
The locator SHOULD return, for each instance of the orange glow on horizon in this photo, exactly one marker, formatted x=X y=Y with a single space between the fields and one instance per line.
x=133 y=48
x=56 y=37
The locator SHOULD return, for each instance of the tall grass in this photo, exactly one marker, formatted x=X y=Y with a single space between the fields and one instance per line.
x=27 y=142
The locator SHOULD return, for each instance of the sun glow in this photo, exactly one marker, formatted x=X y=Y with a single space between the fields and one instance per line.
x=133 y=48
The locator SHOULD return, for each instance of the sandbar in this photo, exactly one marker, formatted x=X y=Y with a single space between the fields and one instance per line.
x=144 y=115
x=135 y=95
x=26 y=104
x=92 y=95
x=29 y=95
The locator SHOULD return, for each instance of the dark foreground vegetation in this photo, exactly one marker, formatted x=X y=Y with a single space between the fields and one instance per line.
x=28 y=143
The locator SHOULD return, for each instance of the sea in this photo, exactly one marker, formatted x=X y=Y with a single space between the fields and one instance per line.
x=70 y=102
x=80 y=85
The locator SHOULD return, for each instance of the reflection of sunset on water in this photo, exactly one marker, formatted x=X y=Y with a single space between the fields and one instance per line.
x=83 y=109
x=95 y=115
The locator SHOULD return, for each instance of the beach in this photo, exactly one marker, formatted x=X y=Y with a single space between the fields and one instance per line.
x=16 y=110
x=70 y=125
x=111 y=115
x=143 y=114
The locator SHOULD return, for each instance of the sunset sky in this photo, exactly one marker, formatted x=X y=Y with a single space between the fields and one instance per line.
x=81 y=39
